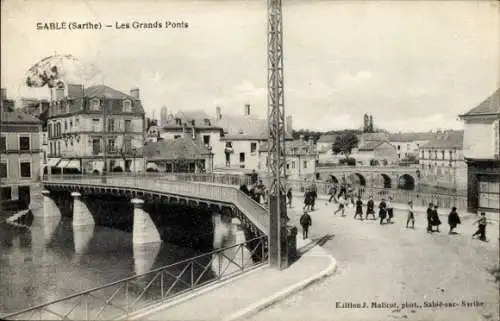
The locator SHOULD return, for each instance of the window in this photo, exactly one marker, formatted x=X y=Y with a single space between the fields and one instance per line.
x=206 y=139
x=111 y=144
x=44 y=157
x=127 y=106
x=451 y=155
x=305 y=164
x=5 y=193
x=58 y=148
x=207 y=121
x=65 y=125
x=25 y=169
x=77 y=122
x=24 y=143
x=489 y=193
x=127 y=144
x=442 y=154
x=71 y=123
x=3 y=144
x=293 y=164
x=242 y=157
x=128 y=125
x=399 y=147
x=178 y=121
x=96 y=146
x=111 y=125
x=49 y=129
x=193 y=122
x=253 y=148
x=95 y=104
x=95 y=125
x=3 y=170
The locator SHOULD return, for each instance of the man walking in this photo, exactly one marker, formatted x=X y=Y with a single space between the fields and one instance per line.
x=411 y=215
x=429 y=218
x=359 y=208
x=342 y=203
x=481 y=224
x=305 y=222
x=332 y=191
x=289 y=196
x=382 y=212
x=390 y=210
x=370 y=208
x=435 y=218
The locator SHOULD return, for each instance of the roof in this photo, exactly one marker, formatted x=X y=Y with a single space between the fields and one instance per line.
x=328 y=138
x=300 y=147
x=491 y=106
x=448 y=139
x=201 y=121
x=245 y=128
x=112 y=99
x=18 y=117
x=410 y=137
x=370 y=145
x=180 y=148
x=373 y=136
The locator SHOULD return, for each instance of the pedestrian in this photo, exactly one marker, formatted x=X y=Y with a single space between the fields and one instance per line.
x=453 y=220
x=435 y=218
x=314 y=195
x=382 y=211
x=307 y=199
x=390 y=210
x=370 y=208
x=305 y=222
x=342 y=202
x=359 y=208
x=411 y=215
x=244 y=189
x=289 y=196
x=481 y=224
x=332 y=191
x=253 y=177
x=429 y=218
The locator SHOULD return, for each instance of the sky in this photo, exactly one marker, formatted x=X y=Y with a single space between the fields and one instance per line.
x=414 y=66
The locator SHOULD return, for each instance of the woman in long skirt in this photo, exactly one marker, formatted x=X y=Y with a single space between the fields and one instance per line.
x=359 y=208
x=453 y=220
x=382 y=212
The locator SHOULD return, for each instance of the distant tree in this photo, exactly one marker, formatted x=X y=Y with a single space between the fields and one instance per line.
x=345 y=143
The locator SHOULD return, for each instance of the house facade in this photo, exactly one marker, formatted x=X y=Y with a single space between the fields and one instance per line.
x=301 y=157
x=374 y=152
x=408 y=144
x=481 y=149
x=95 y=129
x=20 y=153
x=324 y=147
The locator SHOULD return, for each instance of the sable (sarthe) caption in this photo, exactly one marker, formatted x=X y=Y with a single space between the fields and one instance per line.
x=117 y=25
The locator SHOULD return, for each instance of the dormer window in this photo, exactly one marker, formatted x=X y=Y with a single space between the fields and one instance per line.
x=178 y=121
x=207 y=122
x=192 y=122
x=95 y=104
x=127 y=106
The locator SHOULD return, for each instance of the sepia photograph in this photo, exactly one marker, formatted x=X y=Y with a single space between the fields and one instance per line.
x=258 y=160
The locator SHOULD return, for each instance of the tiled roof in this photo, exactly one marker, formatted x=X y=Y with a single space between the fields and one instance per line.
x=328 y=138
x=373 y=137
x=448 y=139
x=244 y=128
x=410 y=137
x=370 y=145
x=102 y=91
x=300 y=147
x=201 y=120
x=490 y=106
x=181 y=148
x=17 y=116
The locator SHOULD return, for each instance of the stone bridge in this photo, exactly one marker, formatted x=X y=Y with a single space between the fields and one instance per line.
x=88 y=199
x=384 y=177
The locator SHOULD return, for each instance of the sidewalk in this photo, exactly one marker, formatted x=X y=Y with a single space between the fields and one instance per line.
x=252 y=292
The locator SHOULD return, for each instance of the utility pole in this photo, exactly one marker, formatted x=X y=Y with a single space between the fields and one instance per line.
x=278 y=233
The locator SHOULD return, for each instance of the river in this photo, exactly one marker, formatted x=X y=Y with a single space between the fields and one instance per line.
x=44 y=259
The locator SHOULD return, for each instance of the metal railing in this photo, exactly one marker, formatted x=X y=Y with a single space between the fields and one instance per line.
x=208 y=190
x=398 y=195
x=121 y=298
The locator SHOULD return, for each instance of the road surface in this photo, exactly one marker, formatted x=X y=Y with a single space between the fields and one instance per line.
x=390 y=265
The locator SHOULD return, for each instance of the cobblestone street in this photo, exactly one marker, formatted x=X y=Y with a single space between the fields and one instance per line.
x=389 y=263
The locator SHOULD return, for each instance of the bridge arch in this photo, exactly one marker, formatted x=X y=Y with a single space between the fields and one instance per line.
x=406 y=182
x=334 y=179
x=357 y=179
x=382 y=180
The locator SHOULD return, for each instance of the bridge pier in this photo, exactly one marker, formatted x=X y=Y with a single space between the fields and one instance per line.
x=50 y=208
x=144 y=229
x=81 y=213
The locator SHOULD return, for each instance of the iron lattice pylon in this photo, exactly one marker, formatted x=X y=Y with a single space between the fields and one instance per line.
x=276 y=152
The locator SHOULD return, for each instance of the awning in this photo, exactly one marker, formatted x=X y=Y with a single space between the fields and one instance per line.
x=74 y=163
x=62 y=163
x=53 y=161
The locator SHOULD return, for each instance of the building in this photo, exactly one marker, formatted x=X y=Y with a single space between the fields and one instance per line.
x=182 y=155
x=300 y=156
x=95 y=129
x=481 y=149
x=407 y=144
x=20 y=153
x=241 y=140
x=374 y=152
x=441 y=160
x=324 y=147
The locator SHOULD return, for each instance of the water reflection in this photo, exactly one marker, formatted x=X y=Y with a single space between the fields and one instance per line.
x=48 y=258
x=145 y=256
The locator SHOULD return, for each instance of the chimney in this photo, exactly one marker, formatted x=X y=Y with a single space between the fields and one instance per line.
x=59 y=93
x=218 y=113
x=134 y=92
x=247 y=109
x=4 y=93
x=75 y=91
x=192 y=133
x=301 y=137
x=289 y=128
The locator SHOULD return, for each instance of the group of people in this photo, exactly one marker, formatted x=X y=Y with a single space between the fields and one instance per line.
x=386 y=215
